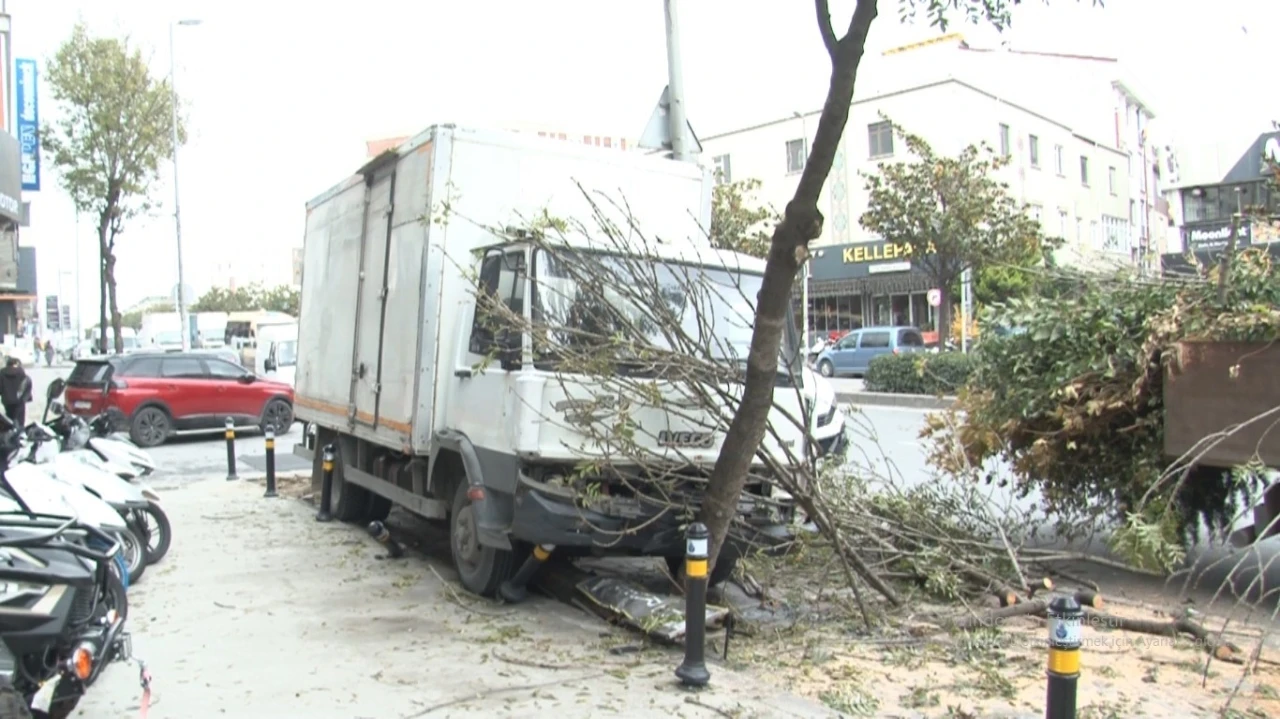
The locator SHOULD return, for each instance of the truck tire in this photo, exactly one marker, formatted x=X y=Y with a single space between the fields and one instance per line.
x=481 y=569
x=348 y=502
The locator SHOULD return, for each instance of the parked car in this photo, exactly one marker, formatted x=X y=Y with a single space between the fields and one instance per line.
x=165 y=393
x=852 y=355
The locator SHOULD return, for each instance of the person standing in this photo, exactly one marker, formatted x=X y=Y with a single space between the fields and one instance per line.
x=15 y=392
x=48 y=353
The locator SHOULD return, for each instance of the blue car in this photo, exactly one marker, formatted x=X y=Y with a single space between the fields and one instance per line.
x=852 y=355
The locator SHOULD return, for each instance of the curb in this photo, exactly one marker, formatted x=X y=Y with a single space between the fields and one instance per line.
x=889 y=399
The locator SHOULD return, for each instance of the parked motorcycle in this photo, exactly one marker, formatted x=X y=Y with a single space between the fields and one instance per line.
x=64 y=605
x=138 y=503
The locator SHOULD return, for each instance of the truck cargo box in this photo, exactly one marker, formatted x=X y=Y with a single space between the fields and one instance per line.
x=384 y=287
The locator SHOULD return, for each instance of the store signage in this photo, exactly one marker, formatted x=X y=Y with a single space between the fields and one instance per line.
x=876 y=252
x=1216 y=236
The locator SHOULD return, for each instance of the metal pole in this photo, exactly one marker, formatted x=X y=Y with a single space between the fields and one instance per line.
x=676 y=116
x=79 y=328
x=693 y=670
x=177 y=210
x=804 y=308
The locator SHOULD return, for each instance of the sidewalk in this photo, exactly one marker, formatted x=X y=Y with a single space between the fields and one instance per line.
x=260 y=612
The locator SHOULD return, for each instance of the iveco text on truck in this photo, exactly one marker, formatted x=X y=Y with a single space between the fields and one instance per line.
x=390 y=372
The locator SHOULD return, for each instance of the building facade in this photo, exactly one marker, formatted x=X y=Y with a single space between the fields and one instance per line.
x=1206 y=211
x=17 y=300
x=1076 y=186
x=1082 y=159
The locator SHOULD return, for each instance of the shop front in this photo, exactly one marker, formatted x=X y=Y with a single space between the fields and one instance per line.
x=866 y=284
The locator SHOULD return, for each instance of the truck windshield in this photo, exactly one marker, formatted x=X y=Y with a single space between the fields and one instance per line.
x=713 y=305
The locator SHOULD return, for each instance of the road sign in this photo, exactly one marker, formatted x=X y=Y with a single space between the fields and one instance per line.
x=934 y=297
x=51 y=313
x=66 y=317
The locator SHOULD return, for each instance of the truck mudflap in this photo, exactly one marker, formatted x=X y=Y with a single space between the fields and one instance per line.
x=544 y=514
x=488 y=506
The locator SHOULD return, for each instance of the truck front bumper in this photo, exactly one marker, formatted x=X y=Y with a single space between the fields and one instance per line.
x=544 y=514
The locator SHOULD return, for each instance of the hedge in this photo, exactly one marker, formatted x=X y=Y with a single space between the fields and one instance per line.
x=919 y=373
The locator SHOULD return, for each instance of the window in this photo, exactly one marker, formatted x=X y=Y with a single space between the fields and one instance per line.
x=1079 y=231
x=1062 y=224
x=795 y=155
x=574 y=314
x=1084 y=171
x=148 y=367
x=880 y=139
x=1095 y=240
x=1033 y=144
x=182 y=368
x=1058 y=165
x=1004 y=140
x=848 y=342
x=1111 y=180
x=724 y=174
x=910 y=338
x=1115 y=232
x=1035 y=212
x=221 y=369
x=502 y=278
x=874 y=340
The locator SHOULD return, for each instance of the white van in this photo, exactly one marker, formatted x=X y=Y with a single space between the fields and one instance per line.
x=277 y=355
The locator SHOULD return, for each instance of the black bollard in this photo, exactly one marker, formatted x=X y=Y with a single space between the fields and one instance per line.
x=271 y=463
x=326 y=485
x=693 y=670
x=231 y=449
x=378 y=531
x=516 y=589
x=1065 y=616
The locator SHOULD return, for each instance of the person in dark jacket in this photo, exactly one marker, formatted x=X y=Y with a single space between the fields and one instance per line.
x=15 y=391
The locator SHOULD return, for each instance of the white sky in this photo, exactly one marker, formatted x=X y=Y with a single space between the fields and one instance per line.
x=282 y=95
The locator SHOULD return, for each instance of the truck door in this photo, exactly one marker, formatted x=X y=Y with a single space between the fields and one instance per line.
x=480 y=400
x=370 y=299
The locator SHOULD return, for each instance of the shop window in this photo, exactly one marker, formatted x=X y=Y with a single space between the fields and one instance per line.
x=900 y=309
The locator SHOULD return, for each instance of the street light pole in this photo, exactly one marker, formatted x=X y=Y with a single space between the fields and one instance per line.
x=177 y=207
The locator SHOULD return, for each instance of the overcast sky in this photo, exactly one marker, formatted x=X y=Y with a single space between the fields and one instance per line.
x=282 y=95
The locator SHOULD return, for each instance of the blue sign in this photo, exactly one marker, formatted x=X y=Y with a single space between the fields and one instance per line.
x=28 y=124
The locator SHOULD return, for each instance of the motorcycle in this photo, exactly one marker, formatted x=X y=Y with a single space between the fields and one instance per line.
x=65 y=605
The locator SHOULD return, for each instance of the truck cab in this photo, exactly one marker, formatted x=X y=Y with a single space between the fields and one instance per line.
x=277 y=355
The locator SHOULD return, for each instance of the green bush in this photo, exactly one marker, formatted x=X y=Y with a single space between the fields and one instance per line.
x=919 y=373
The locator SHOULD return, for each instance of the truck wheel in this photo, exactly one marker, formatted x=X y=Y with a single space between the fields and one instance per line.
x=378 y=509
x=480 y=568
x=348 y=502
x=725 y=565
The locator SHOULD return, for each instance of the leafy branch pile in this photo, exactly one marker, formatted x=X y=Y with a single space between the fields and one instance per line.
x=1074 y=404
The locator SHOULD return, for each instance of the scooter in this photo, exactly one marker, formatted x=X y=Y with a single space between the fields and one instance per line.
x=65 y=605
x=112 y=481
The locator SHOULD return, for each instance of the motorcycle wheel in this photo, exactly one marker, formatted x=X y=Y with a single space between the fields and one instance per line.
x=154 y=530
x=12 y=705
x=135 y=555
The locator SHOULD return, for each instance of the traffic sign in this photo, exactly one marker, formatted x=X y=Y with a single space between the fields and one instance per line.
x=51 y=313
x=934 y=297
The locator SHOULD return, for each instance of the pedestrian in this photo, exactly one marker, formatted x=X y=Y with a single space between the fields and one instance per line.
x=48 y=353
x=15 y=392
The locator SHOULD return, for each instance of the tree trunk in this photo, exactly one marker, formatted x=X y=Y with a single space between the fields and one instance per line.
x=801 y=223
x=102 y=284
x=110 y=276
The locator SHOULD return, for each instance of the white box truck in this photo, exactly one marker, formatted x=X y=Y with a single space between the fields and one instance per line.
x=390 y=372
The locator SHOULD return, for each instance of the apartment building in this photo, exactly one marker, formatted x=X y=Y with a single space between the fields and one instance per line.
x=1075 y=185
x=1083 y=160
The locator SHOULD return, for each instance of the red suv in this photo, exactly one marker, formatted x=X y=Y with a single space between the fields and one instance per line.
x=162 y=394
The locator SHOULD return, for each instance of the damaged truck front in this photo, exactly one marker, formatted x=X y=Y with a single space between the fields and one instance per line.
x=429 y=406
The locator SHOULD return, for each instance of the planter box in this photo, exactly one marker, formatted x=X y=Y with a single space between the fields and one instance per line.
x=1203 y=397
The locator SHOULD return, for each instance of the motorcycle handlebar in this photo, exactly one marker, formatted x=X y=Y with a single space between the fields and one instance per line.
x=58 y=526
